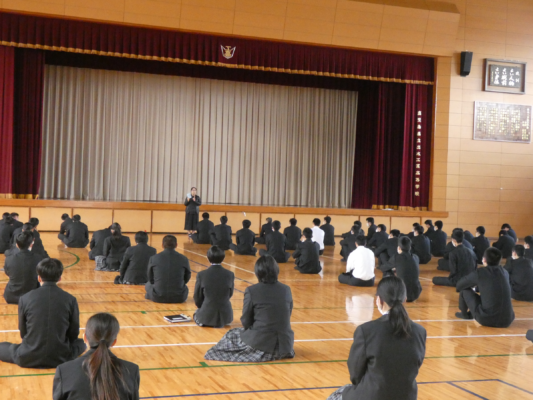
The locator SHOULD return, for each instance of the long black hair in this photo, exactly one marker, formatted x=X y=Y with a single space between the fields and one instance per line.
x=117 y=230
x=104 y=371
x=391 y=290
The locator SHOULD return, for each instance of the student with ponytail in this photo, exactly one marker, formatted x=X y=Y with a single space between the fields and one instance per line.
x=98 y=374
x=387 y=353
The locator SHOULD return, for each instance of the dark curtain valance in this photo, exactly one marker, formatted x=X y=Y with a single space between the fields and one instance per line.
x=201 y=49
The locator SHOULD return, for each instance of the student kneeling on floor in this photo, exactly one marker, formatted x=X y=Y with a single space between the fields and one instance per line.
x=360 y=266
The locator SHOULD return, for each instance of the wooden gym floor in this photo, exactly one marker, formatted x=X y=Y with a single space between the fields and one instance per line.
x=463 y=359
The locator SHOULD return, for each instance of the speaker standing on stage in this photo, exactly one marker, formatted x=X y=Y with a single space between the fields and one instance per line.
x=193 y=203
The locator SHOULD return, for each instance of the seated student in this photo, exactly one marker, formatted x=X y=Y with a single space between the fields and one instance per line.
x=245 y=239
x=213 y=291
x=6 y=232
x=21 y=269
x=329 y=232
x=266 y=230
x=529 y=247
x=468 y=236
x=134 y=266
x=64 y=226
x=378 y=238
x=37 y=247
x=168 y=274
x=275 y=245
x=421 y=246
x=293 y=235
x=4 y=216
x=77 y=236
x=444 y=262
x=16 y=222
x=348 y=243
x=462 y=260
x=49 y=323
x=359 y=225
x=203 y=229
x=371 y=228
x=306 y=255
x=97 y=242
x=115 y=247
x=480 y=243
x=387 y=353
x=430 y=229
x=438 y=240
x=510 y=232
x=266 y=334
x=406 y=266
x=520 y=271
x=411 y=234
x=360 y=266
x=389 y=248
x=492 y=307
x=98 y=373
x=221 y=234
x=37 y=242
x=318 y=235
x=505 y=244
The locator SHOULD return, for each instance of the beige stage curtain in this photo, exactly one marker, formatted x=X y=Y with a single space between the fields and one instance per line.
x=120 y=136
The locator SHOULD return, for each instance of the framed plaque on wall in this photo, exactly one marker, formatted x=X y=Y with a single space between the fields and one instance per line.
x=505 y=76
x=502 y=122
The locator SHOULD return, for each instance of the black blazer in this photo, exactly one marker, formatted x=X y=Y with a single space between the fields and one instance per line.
x=382 y=366
x=77 y=235
x=505 y=244
x=496 y=309
x=378 y=238
x=371 y=231
x=221 y=236
x=245 y=239
x=348 y=245
x=114 y=250
x=49 y=323
x=16 y=232
x=512 y=233
x=193 y=206
x=307 y=257
x=521 y=278
x=203 y=230
x=266 y=230
x=329 y=234
x=390 y=247
x=468 y=236
x=463 y=261
x=21 y=268
x=480 y=244
x=168 y=272
x=408 y=270
x=266 y=317
x=97 y=242
x=38 y=247
x=529 y=254
x=275 y=246
x=438 y=243
x=134 y=266
x=293 y=234
x=64 y=225
x=421 y=246
x=429 y=232
x=450 y=247
x=6 y=232
x=71 y=382
x=212 y=294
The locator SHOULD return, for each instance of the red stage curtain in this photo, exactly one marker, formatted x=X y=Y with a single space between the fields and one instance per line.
x=202 y=49
x=7 y=81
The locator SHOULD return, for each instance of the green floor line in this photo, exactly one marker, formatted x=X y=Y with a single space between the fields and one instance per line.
x=75 y=255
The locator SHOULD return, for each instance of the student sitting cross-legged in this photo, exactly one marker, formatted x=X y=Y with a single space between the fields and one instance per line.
x=462 y=262
x=221 y=234
x=520 y=271
x=77 y=235
x=329 y=232
x=348 y=242
x=293 y=235
x=306 y=255
x=97 y=242
x=98 y=374
x=386 y=353
x=64 y=225
x=275 y=245
x=168 y=274
x=213 y=291
x=492 y=306
x=245 y=239
x=134 y=266
x=421 y=245
x=115 y=247
x=203 y=229
x=505 y=244
x=480 y=243
x=438 y=240
x=37 y=247
x=360 y=265
x=379 y=237
x=49 y=323
x=266 y=334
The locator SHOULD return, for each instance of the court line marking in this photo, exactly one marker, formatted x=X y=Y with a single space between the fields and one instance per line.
x=466 y=390
x=203 y=256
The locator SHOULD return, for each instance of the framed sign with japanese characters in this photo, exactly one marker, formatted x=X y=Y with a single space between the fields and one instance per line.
x=502 y=122
x=505 y=76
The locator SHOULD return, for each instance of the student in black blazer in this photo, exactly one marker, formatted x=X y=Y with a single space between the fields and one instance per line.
x=134 y=266
x=266 y=230
x=97 y=242
x=275 y=245
x=192 y=211
x=98 y=371
x=64 y=226
x=480 y=243
x=266 y=319
x=510 y=231
x=378 y=238
x=49 y=323
x=371 y=228
x=468 y=236
x=438 y=240
x=115 y=247
x=520 y=271
x=444 y=262
x=245 y=239
x=389 y=248
x=307 y=256
x=21 y=268
x=411 y=234
x=386 y=353
x=221 y=234
x=528 y=240
x=293 y=235
x=493 y=306
x=505 y=244
x=430 y=229
x=16 y=222
x=6 y=233
x=348 y=242
x=37 y=247
x=202 y=235
x=213 y=291
x=421 y=245
x=77 y=235
x=462 y=260
x=168 y=274
x=329 y=232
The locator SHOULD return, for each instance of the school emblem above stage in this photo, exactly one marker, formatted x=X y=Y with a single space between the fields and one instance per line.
x=228 y=51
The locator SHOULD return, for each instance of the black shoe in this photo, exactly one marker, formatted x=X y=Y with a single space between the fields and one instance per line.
x=461 y=316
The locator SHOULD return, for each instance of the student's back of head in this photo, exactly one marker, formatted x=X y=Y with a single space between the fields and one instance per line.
x=404 y=243
x=480 y=230
x=27 y=227
x=419 y=229
x=141 y=237
x=170 y=242
x=4 y=215
x=327 y=219
x=370 y=219
x=266 y=269
x=458 y=236
x=64 y=216
x=276 y=225
x=439 y=224
x=76 y=218
x=50 y=270
x=492 y=256
x=506 y=226
x=316 y=222
x=34 y=222
x=360 y=240
x=529 y=241
x=216 y=255
x=14 y=215
x=503 y=232
x=24 y=240
x=519 y=250
x=382 y=227
x=308 y=233
x=205 y=215
x=8 y=220
x=395 y=232
x=246 y=224
x=223 y=220
x=269 y=220
x=293 y=221
x=391 y=290
x=116 y=230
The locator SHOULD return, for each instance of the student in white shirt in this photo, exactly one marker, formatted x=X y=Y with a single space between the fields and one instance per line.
x=360 y=266
x=318 y=235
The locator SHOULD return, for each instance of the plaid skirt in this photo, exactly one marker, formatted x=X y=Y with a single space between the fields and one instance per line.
x=100 y=263
x=337 y=394
x=232 y=348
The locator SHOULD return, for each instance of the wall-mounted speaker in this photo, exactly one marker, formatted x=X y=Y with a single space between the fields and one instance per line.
x=466 y=62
